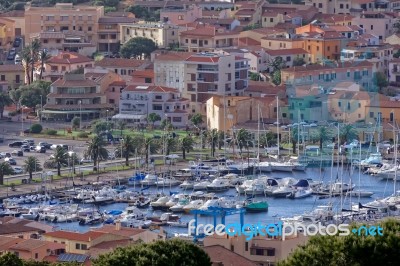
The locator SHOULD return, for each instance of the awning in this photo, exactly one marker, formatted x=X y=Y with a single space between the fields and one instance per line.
x=128 y=116
x=69 y=112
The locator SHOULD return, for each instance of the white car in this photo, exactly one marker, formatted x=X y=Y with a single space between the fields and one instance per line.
x=18 y=170
x=384 y=144
x=86 y=161
x=352 y=145
x=54 y=146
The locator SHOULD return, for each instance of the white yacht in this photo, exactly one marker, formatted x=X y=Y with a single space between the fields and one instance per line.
x=167 y=182
x=234 y=179
x=201 y=185
x=193 y=205
x=218 y=184
x=149 y=180
x=282 y=166
x=183 y=174
x=160 y=203
x=246 y=184
x=264 y=167
x=186 y=185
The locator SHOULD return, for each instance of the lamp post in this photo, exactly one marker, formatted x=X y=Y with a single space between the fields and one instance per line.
x=80 y=115
x=41 y=108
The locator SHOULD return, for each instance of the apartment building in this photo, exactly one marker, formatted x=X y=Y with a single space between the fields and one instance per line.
x=263 y=250
x=208 y=74
x=180 y=16
x=376 y=23
x=169 y=69
x=162 y=34
x=18 y=16
x=137 y=102
x=68 y=42
x=108 y=33
x=258 y=58
x=7 y=32
x=121 y=66
x=66 y=18
x=394 y=70
x=346 y=6
x=289 y=56
x=58 y=65
x=379 y=55
x=11 y=76
x=330 y=74
x=334 y=19
x=205 y=38
x=248 y=12
x=74 y=95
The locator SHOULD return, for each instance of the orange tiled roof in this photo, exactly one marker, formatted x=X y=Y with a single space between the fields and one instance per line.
x=86 y=237
x=74 y=58
x=152 y=88
x=120 y=62
x=291 y=51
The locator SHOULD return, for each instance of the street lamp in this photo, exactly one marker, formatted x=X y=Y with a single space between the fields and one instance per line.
x=80 y=115
x=41 y=107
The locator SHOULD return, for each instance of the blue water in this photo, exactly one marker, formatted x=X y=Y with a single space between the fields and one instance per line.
x=278 y=207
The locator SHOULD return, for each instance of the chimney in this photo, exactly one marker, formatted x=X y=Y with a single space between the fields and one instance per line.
x=118 y=225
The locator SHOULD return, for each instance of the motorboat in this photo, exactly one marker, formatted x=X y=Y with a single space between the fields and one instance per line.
x=186 y=185
x=360 y=193
x=179 y=206
x=193 y=205
x=32 y=214
x=256 y=188
x=131 y=222
x=183 y=174
x=234 y=179
x=271 y=185
x=201 y=185
x=335 y=188
x=149 y=180
x=246 y=184
x=63 y=218
x=282 y=192
x=164 y=218
x=167 y=182
x=218 y=184
x=134 y=180
x=264 y=167
x=373 y=160
x=91 y=220
x=134 y=212
x=160 y=203
x=282 y=166
x=201 y=168
x=300 y=193
x=178 y=224
x=256 y=206
x=142 y=202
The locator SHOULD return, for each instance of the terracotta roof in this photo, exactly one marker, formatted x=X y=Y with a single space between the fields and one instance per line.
x=387 y=104
x=74 y=107
x=148 y=73
x=216 y=21
x=120 y=62
x=86 y=237
x=245 y=12
x=286 y=51
x=15 y=227
x=29 y=244
x=248 y=41
x=7 y=242
x=321 y=67
x=69 y=58
x=112 y=244
x=264 y=87
x=152 y=88
x=124 y=231
x=118 y=83
x=173 y=56
x=350 y=95
x=208 y=31
x=11 y=68
x=332 y=18
x=61 y=82
x=219 y=254
x=74 y=96
x=267 y=31
x=210 y=13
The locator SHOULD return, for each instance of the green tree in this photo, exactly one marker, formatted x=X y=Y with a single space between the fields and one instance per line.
x=60 y=157
x=137 y=47
x=353 y=249
x=221 y=139
x=34 y=49
x=255 y=76
x=36 y=128
x=243 y=139
x=294 y=138
x=299 y=61
x=101 y=127
x=186 y=144
x=127 y=148
x=34 y=94
x=347 y=133
x=397 y=54
x=73 y=161
x=5 y=169
x=197 y=120
x=212 y=139
x=268 y=139
x=139 y=11
x=96 y=151
x=76 y=122
x=5 y=100
x=121 y=125
x=323 y=135
x=26 y=58
x=168 y=252
x=276 y=65
x=148 y=145
x=10 y=259
x=166 y=125
x=44 y=56
x=153 y=118
x=381 y=81
x=32 y=164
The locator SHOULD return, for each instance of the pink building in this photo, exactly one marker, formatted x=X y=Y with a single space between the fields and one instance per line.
x=113 y=92
x=181 y=16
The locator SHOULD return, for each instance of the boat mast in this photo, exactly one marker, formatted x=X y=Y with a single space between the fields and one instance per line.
x=277 y=123
x=396 y=141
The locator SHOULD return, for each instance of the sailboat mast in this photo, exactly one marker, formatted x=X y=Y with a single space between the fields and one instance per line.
x=258 y=131
x=396 y=141
x=277 y=123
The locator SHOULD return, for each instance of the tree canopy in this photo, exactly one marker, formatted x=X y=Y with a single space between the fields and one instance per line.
x=34 y=94
x=137 y=47
x=356 y=250
x=170 y=252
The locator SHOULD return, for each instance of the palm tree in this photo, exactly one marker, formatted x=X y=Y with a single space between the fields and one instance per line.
x=148 y=145
x=60 y=157
x=96 y=151
x=73 y=161
x=197 y=120
x=153 y=118
x=5 y=100
x=186 y=144
x=27 y=59
x=221 y=139
x=294 y=138
x=268 y=139
x=347 y=133
x=5 y=169
x=121 y=125
x=127 y=148
x=323 y=135
x=212 y=139
x=44 y=56
x=32 y=164
x=34 y=49
x=243 y=138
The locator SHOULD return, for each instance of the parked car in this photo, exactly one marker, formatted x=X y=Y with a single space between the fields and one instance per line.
x=25 y=148
x=11 y=161
x=40 y=149
x=17 y=42
x=45 y=144
x=8 y=155
x=54 y=146
x=17 y=144
x=86 y=161
x=111 y=156
x=17 y=153
x=30 y=141
x=18 y=170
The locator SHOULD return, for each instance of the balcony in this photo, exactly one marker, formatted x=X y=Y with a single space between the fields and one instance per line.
x=207 y=69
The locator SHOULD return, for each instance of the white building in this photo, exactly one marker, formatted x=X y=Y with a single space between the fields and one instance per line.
x=137 y=102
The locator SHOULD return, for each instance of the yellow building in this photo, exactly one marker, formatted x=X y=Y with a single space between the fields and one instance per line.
x=18 y=16
x=349 y=107
x=239 y=109
x=7 y=31
x=11 y=76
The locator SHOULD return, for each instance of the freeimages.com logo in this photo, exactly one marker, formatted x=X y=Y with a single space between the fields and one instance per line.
x=281 y=229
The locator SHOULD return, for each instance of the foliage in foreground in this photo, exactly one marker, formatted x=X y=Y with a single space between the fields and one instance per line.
x=170 y=252
x=352 y=250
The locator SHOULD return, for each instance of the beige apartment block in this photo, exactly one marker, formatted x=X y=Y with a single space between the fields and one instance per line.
x=65 y=18
x=162 y=34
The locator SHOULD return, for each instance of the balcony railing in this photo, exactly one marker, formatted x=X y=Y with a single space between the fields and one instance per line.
x=207 y=69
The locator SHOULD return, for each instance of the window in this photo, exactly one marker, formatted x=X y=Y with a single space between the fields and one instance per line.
x=77 y=246
x=339 y=104
x=391 y=117
x=58 y=41
x=371 y=114
x=271 y=20
x=348 y=106
x=372 y=27
x=89 y=28
x=89 y=18
x=103 y=36
x=387 y=27
x=177 y=119
x=317 y=48
x=45 y=41
x=84 y=247
x=62 y=28
x=80 y=18
x=246 y=246
x=157 y=107
x=232 y=248
x=359 y=105
x=328 y=48
x=158 y=97
x=36 y=256
x=341 y=6
x=180 y=17
x=64 y=18
x=80 y=28
x=270 y=252
x=288 y=58
x=186 y=40
x=147 y=80
x=17 y=79
x=348 y=74
x=113 y=36
x=3 y=78
x=320 y=5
